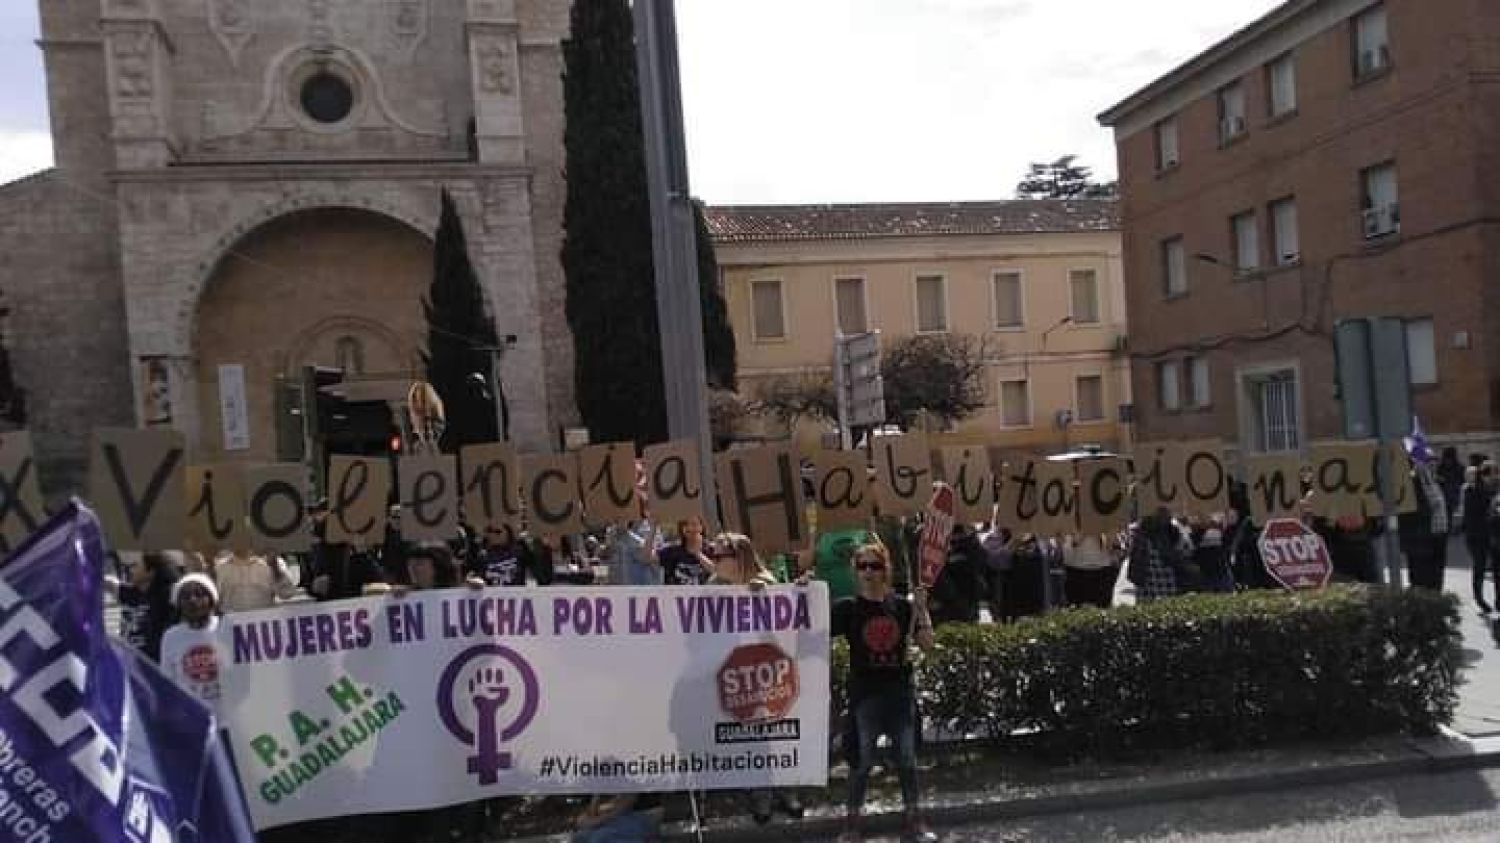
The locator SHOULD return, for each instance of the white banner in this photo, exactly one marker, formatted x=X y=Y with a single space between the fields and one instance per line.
x=234 y=415
x=441 y=697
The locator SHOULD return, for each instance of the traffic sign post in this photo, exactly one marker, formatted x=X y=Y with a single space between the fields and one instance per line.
x=1294 y=555
x=856 y=374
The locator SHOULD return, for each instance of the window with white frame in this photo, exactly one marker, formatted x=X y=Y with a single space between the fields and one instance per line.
x=1166 y=144
x=1231 y=111
x=1372 y=46
x=1421 y=352
x=932 y=303
x=1273 y=413
x=1015 y=403
x=1199 y=383
x=1246 y=236
x=1281 y=86
x=1168 y=385
x=849 y=297
x=1380 y=208
x=1286 y=248
x=770 y=311
x=1009 y=304
x=1090 y=406
x=1174 y=267
x=1084 y=285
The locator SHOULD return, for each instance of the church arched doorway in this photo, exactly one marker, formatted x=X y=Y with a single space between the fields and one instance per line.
x=329 y=287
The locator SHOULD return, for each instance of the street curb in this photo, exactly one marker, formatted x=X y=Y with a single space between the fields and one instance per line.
x=1426 y=757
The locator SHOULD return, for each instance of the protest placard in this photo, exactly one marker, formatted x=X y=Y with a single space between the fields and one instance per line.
x=358 y=490
x=903 y=473
x=551 y=487
x=20 y=496
x=1343 y=479
x=1057 y=495
x=216 y=509
x=1275 y=486
x=1205 y=480
x=137 y=485
x=1104 y=495
x=330 y=706
x=491 y=484
x=841 y=489
x=276 y=507
x=608 y=475
x=967 y=471
x=429 y=497
x=674 y=488
x=1159 y=480
x=760 y=491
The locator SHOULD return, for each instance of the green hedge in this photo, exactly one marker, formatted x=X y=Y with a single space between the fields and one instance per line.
x=1216 y=671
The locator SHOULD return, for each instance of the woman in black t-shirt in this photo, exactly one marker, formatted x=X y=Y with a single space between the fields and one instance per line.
x=878 y=624
x=687 y=562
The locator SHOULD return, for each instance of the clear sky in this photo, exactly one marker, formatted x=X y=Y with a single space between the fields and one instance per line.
x=849 y=100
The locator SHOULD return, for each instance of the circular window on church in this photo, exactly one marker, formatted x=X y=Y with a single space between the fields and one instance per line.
x=327 y=97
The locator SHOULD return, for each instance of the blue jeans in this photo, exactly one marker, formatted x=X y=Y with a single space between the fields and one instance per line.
x=891 y=712
x=631 y=827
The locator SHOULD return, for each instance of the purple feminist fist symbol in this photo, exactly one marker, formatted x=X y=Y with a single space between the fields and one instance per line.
x=486 y=692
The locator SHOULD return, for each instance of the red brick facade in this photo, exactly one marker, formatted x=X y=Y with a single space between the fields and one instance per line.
x=1433 y=112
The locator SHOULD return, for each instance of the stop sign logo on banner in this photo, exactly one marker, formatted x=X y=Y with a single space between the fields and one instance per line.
x=933 y=553
x=1294 y=555
x=758 y=682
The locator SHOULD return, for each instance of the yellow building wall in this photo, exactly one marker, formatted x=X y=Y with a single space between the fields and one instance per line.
x=1046 y=351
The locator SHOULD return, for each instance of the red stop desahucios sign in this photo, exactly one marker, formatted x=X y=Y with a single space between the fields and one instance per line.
x=1294 y=555
x=758 y=682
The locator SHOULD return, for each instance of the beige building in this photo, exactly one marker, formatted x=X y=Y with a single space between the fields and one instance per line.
x=1038 y=281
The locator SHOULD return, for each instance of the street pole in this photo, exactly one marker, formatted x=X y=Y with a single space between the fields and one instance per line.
x=673 y=245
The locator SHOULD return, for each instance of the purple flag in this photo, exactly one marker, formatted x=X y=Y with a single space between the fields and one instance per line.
x=95 y=743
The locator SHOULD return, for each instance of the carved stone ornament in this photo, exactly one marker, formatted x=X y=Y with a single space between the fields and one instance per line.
x=495 y=75
x=233 y=23
x=408 y=24
x=319 y=24
x=132 y=58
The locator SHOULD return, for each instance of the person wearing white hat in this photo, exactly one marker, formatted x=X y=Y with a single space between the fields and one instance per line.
x=188 y=652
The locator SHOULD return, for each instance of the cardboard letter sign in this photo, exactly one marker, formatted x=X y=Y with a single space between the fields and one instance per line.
x=358 y=490
x=20 y=498
x=1205 y=481
x=841 y=489
x=1159 y=477
x=760 y=490
x=136 y=480
x=1343 y=474
x=608 y=474
x=491 y=488
x=216 y=509
x=1104 y=502
x=429 y=497
x=903 y=473
x=1275 y=486
x=967 y=470
x=674 y=491
x=276 y=501
x=1058 y=497
x=1020 y=499
x=551 y=486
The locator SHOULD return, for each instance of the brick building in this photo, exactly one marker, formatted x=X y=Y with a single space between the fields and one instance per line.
x=1336 y=158
x=242 y=188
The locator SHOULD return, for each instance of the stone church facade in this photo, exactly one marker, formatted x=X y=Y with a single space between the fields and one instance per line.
x=246 y=187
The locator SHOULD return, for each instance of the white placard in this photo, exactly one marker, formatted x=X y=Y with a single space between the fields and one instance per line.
x=331 y=707
x=234 y=415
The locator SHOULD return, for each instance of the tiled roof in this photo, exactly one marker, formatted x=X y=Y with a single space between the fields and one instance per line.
x=764 y=223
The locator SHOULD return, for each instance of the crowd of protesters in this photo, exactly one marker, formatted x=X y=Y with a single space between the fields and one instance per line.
x=170 y=602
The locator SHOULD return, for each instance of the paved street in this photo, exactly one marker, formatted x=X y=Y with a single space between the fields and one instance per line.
x=1456 y=807
x=1479 y=708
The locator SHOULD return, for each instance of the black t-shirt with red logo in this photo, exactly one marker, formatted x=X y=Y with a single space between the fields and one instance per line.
x=877 y=633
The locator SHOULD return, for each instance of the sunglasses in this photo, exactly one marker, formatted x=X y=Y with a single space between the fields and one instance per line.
x=870 y=566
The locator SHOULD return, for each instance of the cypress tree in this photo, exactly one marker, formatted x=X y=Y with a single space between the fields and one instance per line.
x=606 y=254
x=718 y=337
x=459 y=334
